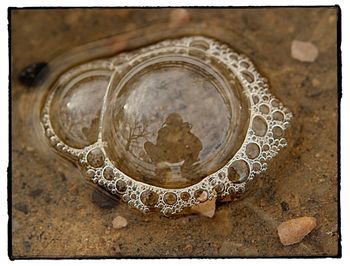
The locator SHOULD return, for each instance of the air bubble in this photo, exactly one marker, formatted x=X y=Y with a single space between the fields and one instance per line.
x=201 y=195
x=95 y=157
x=274 y=103
x=259 y=126
x=200 y=44
x=233 y=57
x=167 y=212
x=244 y=64
x=222 y=175
x=90 y=174
x=238 y=171
x=265 y=147
x=255 y=99
x=277 y=131
x=277 y=115
x=149 y=198
x=185 y=196
x=256 y=166
x=125 y=198
x=108 y=173
x=264 y=109
x=170 y=198
x=219 y=188
x=121 y=186
x=248 y=76
x=252 y=150
x=76 y=107
x=283 y=142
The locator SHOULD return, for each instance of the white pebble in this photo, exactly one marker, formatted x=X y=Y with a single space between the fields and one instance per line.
x=304 y=51
x=119 y=222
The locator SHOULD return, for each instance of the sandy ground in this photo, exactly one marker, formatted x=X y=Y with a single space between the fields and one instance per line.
x=55 y=214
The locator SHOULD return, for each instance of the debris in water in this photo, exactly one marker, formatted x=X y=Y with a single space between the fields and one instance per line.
x=304 y=51
x=294 y=230
x=102 y=200
x=206 y=208
x=34 y=74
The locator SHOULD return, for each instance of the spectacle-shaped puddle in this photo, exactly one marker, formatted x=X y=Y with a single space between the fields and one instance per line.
x=165 y=124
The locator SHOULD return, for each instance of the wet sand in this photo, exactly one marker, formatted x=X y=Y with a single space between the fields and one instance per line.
x=56 y=214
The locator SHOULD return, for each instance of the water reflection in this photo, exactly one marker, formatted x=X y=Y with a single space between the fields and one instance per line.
x=172 y=124
x=176 y=149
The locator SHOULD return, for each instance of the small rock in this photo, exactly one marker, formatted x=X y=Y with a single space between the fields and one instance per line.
x=284 y=206
x=26 y=246
x=315 y=82
x=292 y=200
x=119 y=222
x=36 y=192
x=178 y=17
x=29 y=148
x=22 y=207
x=188 y=248
x=117 y=249
x=206 y=208
x=304 y=51
x=321 y=180
x=332 y=18
x=294 y=230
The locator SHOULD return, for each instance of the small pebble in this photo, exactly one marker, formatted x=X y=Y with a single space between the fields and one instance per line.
x=206 y=208
x=119 y=222
x=332 y=18
x=178 y=17
x=321 y=180
x=293 y=231
x=304 y=51
x=29 y=148
x=284 y=206
x=36 y=192
x=117 y=249
x=315 y=82
x=26 y=246
x=22 y=207
x=188 y=248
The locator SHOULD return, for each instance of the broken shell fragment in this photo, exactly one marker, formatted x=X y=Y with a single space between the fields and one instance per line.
x=166 y=126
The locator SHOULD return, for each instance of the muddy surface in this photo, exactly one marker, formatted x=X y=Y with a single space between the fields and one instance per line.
x=55 y=213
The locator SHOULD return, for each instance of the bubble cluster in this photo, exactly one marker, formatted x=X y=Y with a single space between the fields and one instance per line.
x=268 y=120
